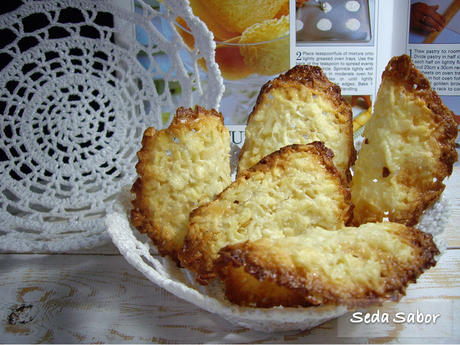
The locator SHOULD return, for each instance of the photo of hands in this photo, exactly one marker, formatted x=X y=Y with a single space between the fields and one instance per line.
x=434 y=21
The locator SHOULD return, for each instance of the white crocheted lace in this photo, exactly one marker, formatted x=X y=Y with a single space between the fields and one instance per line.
x=76 y=94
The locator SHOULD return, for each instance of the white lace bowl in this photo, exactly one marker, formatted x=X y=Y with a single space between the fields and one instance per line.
x=140 y=252
x=180 y=282
x=80 y=81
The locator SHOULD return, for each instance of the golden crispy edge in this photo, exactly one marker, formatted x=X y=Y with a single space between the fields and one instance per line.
x=141 y=215
x=245 y=290
x=194 y=252
x=313 y=78
x=314 y=289
x=401 y=71
x=317 y=148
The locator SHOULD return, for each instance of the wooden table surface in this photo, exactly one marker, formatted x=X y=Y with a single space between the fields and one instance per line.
x=97 y=297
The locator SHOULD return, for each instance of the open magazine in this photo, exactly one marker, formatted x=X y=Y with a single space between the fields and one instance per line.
x=352 y=41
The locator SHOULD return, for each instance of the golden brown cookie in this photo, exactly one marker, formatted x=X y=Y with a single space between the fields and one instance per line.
x=285 y=194
x=408 y=150
x=355 y=267
x=180 y=168
x=299 y=107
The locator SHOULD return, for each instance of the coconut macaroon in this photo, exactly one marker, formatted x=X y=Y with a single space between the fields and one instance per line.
x=299 y=107
x=408 y=150
x=355 y=267
x=285 y=194
x=179 y=168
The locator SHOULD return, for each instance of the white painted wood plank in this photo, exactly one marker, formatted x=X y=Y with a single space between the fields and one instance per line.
x=94 y=298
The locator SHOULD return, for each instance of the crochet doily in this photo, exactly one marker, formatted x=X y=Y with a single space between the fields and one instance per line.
x=80 y=81
x=141 y=253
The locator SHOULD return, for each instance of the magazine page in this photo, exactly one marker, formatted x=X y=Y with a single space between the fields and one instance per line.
x=351 y=40
x=433 y=42
x=342 y=38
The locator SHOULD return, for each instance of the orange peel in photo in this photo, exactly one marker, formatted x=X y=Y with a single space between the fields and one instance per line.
x=231 y=63
x=228 y=57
